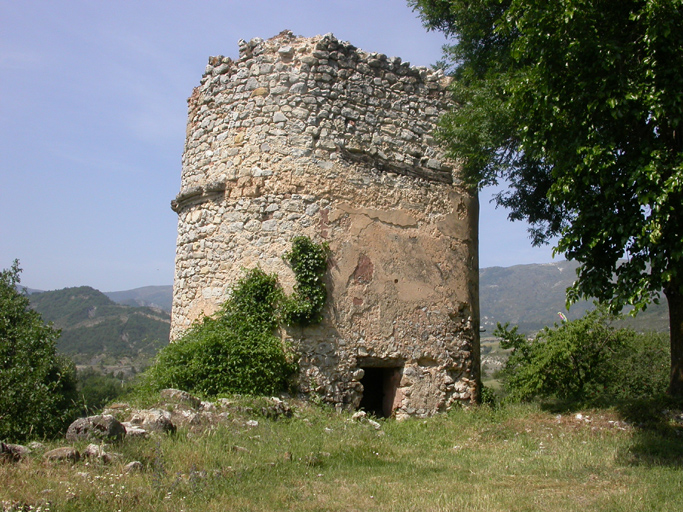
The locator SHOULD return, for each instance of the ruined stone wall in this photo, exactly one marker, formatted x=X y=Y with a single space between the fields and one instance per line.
x=312 y=136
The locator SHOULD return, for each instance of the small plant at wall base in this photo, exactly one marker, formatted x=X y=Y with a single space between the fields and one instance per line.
x=309 y=262
x=236 y=350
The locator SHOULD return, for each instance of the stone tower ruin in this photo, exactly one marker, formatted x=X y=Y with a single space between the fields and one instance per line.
x=314 y=137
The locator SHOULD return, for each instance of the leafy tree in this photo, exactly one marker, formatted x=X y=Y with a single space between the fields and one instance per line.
x=577 y=104
x=584 y=360
x=37 y=387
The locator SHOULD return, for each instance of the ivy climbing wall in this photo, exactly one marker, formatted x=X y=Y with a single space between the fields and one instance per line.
x=314 y=137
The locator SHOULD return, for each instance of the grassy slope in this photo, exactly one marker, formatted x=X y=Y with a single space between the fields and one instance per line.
x=515 y=459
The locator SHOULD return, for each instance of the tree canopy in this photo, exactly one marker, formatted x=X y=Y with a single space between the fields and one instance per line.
x=578 y=105
x=37 y=387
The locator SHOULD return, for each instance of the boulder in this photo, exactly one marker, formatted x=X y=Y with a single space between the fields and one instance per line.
x=103 y=427
x=276 y=408
x=12 y=452
x=62 y=454
x=181 y=397
x=96 y=452
x=133 y=431
x=153 y=420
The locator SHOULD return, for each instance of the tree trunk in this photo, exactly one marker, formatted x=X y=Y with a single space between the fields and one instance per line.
x=675 y=300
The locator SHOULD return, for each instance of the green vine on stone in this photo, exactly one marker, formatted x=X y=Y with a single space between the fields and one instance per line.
x=309 y=263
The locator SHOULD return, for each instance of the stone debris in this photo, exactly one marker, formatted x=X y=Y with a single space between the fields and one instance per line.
x=181 y=397
x=13 y=452
x=102 y=427
x=65 y=453
x=276 y=408
x=97 y=453
x=133 y=431
x=362 y=417
x=153 y=420
x=133 y=466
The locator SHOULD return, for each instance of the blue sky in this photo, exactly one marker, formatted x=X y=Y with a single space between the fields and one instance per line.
x=92 y=124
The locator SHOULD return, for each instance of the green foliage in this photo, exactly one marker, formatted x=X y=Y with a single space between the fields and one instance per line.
x=577 y=105
x=584 y=360
x=640 y=369
x=309 y=262
x=37 y=386
x=96 y=389
x=236 y=350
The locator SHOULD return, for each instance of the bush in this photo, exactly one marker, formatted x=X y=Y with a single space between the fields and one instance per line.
x=234 y=351
x=97 y=389
x=640 y=369
x=37 y=386
x=584 y=360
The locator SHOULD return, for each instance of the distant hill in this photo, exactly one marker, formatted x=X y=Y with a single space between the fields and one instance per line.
x=128 y=327
x=153 y=296
x=95 y=329
x=531 y=296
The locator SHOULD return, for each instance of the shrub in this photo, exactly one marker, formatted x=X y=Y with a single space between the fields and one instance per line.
x=97 y=389
x=37 y=386
x=236 y=350
x=584 y=360
x=640 y=368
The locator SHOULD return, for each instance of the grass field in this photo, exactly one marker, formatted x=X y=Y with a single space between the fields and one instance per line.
x=512 y=458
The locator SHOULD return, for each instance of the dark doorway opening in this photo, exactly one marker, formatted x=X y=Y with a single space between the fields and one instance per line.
x=379 y=390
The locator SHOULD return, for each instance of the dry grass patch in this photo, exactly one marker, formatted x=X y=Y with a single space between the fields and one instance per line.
x=516 y=458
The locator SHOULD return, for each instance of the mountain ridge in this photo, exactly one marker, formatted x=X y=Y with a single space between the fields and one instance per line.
x=95 y=329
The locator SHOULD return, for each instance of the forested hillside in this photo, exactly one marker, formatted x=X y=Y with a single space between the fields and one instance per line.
x=531 y=296
x=96 y=330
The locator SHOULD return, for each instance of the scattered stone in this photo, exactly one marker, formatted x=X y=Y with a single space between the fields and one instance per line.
x=252 y=423
x=154 y=420
x=62 y=454
x=36 y=446
x=276 y=408
x=13 y=452
x=179 y=396
x=96 y=452
x=103 y=427
x=359 y=415
x=373 y=424
x=93 y=451
x=207 y=407
x=132 y=467
x=133 y=431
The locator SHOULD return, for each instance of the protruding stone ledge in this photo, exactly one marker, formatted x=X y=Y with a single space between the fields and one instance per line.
x=193 y=194
x=375 y=161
